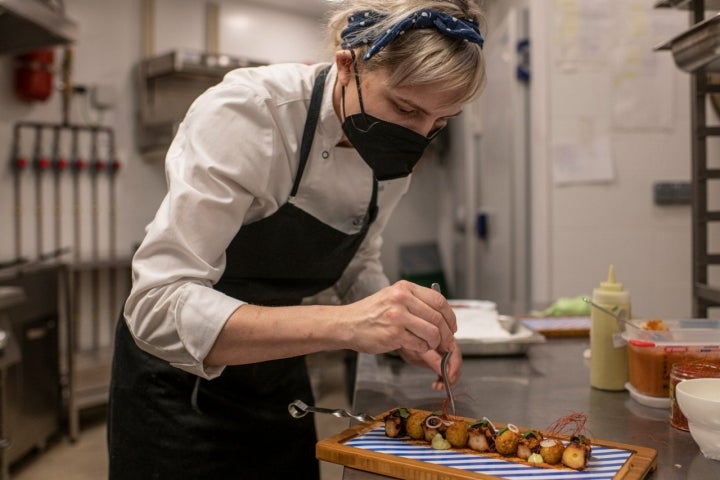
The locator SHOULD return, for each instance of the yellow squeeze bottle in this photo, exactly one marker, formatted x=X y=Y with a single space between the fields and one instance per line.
x=608 y=352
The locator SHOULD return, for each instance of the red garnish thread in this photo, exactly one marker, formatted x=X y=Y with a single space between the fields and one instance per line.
x=445 y=405
x=571 y=425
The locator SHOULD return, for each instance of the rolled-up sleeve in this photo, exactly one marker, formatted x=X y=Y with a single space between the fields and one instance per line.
x=213 y=175
x=233 y=162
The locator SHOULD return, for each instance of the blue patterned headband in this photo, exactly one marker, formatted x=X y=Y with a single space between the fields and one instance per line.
x=464 y=29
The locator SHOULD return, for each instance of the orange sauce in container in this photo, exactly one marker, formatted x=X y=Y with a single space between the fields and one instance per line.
x=650 y=365
x=685 y=371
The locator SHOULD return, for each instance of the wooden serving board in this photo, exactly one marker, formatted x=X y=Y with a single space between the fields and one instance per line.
x=365 y=447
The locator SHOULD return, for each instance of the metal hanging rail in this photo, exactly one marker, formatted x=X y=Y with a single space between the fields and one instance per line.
x=95 y=277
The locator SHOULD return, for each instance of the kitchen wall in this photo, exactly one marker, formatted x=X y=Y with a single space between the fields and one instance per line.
x=105 y=54
x=578 y=228
x=603 y=99
x=109 y=46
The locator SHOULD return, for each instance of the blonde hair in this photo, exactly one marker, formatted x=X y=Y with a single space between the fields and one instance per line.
x=420 y=56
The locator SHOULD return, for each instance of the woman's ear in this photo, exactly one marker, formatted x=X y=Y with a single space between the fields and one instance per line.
x=343 y=60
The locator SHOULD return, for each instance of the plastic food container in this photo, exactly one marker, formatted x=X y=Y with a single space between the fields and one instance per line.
x=652 y=353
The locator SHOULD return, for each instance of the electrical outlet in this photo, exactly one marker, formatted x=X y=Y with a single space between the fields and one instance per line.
x=672 y=193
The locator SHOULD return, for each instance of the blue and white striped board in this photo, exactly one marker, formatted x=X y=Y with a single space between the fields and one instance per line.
x=604 y=464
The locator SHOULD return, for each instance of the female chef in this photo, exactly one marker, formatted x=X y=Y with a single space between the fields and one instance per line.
x=280 y=182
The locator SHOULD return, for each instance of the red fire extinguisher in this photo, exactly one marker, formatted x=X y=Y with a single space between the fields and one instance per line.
x=34 y=75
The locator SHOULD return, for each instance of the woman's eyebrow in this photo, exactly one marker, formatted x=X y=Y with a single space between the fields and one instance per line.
x=417 y=107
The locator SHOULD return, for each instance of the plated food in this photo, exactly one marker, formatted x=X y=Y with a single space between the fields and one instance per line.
x=544 y=449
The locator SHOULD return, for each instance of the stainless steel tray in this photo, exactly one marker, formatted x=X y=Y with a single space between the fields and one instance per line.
x=484 y=332
x=686 y=4
x=697 y=47
x=517 y=344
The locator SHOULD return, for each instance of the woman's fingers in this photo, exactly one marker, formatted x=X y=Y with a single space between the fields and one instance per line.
x=431 y=317
x=432 y=360
x=455 y=365
x=401 y=316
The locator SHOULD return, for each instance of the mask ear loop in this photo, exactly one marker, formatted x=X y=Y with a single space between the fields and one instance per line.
x=360 y=100
x=342 y=104
x=357 y=81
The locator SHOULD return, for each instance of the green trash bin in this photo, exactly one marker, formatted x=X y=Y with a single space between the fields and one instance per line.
x=420 y=263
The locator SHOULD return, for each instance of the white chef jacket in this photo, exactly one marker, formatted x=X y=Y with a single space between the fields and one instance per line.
x=233 y=162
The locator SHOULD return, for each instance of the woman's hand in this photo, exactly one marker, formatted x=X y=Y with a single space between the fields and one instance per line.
x=403 y=316
x=432 y=359
x=414 y=320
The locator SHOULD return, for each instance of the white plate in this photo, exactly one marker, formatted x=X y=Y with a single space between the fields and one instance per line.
x=647 y=400
x=516 y=344
x=484 y=332
x=474 y=304
x=479 y=324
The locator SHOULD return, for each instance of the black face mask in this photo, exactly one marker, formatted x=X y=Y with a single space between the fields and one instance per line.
x=391 y=150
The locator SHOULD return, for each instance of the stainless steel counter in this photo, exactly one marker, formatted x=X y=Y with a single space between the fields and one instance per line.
x=534 y=390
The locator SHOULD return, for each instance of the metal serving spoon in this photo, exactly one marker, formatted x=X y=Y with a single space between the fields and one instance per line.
x=621 y=317
x=299 y=409
x=616 y=313
x=444 y=364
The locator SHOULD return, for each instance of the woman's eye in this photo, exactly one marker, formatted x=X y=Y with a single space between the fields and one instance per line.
x=406 y=111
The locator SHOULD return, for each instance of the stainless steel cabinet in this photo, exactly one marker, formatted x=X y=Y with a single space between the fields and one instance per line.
x=31 y=385
x=9 y=357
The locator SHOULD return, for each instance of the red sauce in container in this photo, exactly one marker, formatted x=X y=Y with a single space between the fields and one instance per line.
x=685 y=371
x=650 y=364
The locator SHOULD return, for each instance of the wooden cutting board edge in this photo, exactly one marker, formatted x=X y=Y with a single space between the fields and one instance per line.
x=642 y=461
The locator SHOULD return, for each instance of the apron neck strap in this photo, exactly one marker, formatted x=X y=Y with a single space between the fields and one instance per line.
x=311 y=121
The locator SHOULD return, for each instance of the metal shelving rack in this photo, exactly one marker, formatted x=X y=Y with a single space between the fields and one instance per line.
x=705 y=296
x=167 y=85
x=89 y=369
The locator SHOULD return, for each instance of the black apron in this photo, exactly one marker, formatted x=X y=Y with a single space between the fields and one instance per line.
x=167 y=423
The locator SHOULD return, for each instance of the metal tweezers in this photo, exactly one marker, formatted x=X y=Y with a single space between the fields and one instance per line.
x=444 y=364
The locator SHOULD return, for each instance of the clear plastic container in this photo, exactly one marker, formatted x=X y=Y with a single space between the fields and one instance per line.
x=686 y=371
x=652 y=353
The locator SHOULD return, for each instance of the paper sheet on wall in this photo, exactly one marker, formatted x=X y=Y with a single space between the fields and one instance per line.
x=583 y=155
x=634 y=101
x=640 y=76
x=581 y=39
x=615 y=39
